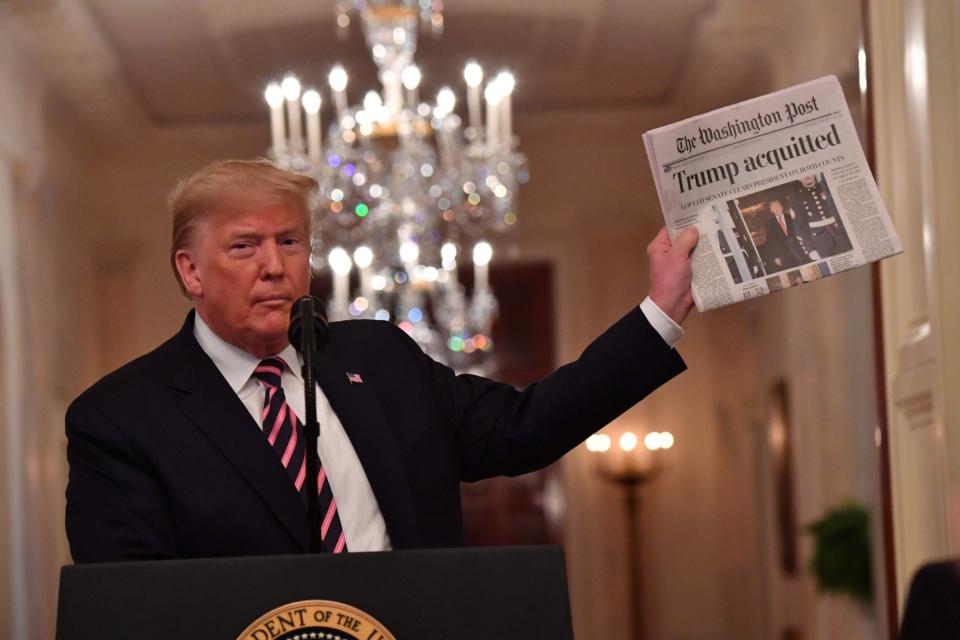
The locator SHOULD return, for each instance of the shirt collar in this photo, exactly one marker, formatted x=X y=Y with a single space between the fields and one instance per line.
x=236 y=365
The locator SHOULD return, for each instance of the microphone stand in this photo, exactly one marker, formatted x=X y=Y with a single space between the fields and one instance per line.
x=311 y=428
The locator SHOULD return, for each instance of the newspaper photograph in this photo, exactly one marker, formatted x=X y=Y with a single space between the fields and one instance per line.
x=779 y=189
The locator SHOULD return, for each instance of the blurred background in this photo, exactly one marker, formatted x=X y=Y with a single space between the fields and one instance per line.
x=832 y=403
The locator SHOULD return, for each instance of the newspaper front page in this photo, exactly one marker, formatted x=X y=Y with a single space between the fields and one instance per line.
x=779 y=189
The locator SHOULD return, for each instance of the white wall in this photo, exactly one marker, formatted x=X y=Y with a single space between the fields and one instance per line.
x=45 y=342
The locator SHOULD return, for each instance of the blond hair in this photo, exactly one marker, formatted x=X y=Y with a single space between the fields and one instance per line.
x=238 y=183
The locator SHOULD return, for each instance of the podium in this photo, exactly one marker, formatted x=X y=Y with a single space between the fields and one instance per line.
x=462 y=594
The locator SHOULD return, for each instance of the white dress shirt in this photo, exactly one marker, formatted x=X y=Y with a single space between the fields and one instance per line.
x=363 y=524
x=669 y=330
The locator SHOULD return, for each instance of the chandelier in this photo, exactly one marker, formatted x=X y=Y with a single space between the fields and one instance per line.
x=407 y=190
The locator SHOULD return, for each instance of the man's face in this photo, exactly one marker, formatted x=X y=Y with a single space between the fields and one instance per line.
x=776 y=207
x=244 y=269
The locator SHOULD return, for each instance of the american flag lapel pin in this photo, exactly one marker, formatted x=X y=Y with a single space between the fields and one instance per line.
x=354 y=378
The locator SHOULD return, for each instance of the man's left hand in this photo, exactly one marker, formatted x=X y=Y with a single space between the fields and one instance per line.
x=670 y=274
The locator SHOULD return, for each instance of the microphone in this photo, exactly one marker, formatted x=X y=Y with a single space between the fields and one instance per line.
x=309 y=332
x=312 y=309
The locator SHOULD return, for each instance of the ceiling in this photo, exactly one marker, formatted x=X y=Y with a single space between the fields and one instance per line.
x=197 y=60
x=189 y=63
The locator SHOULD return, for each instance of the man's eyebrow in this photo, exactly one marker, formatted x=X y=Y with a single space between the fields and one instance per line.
x=243 y=232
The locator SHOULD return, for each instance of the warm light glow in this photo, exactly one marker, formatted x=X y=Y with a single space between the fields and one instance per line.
x=473 y=74
x=666 y=439
x=482 y=253
x=339 y=261
x=409 y=251
x=411 y=77
x=448 y=252
x=506 y=82
x=291 y=88
x=338 y=78
x=653 y=441
x=628 y=441
x=446 y=100
x=311 y=101
x=372 y=103
x=363 y=257
x=598 y=443
x=378 y=282
x=274 y=95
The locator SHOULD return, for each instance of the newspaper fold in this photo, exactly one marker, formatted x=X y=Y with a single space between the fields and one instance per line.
x=779 y=189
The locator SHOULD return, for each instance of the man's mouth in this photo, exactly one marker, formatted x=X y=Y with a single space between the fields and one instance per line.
x=277 y=301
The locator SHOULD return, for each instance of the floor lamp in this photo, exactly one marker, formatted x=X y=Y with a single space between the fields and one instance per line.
x=630 y=466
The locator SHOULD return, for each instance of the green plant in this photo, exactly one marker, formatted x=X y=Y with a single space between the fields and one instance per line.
x=842 y=561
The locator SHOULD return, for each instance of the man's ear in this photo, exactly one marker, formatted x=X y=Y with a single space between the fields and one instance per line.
x=189 y=272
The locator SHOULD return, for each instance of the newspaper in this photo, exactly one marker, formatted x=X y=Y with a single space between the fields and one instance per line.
x=779 y=189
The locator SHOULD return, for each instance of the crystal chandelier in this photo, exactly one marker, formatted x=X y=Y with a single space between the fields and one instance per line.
x=405 y=188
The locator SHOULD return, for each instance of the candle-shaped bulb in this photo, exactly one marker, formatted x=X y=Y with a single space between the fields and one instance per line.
x=363 y=257
x=448 y=252
x=482 y=253
x=628 y=441
x=409 y=251
x=598 y=443
x=311 y=101
x=411 y=77
x=274 y=95
x=492 y=93
x=338 y=78
x=653 y=441
x=473 y=74
x=446 y=100
x=339 y=261
x=506 y=82
x=372 y=102
x=291 y=88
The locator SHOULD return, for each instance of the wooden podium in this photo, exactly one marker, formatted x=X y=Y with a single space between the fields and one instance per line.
x=462 y=594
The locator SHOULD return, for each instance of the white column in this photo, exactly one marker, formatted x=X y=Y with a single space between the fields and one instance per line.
x=916 y=97
x=473 y=76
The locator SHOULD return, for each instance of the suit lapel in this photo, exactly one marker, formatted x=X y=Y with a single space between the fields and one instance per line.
x=210 y=403
x=358 y=408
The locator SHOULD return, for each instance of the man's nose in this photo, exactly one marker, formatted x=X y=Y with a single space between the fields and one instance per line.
x=272 y=261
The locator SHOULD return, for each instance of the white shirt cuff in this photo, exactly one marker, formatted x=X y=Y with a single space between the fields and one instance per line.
x=669 y=330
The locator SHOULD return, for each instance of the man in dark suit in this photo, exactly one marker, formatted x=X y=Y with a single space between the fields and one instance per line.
x=196 y=449
x=933 y=604
x=783 y=247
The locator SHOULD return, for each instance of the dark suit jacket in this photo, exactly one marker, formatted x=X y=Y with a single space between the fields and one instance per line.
x=786 y=247
x=166 y=462
x=933 y=605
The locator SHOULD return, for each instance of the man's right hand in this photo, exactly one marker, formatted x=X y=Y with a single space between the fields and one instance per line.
x=670 y=274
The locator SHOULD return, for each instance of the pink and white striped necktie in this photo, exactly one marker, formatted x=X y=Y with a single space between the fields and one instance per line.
x=284 y=432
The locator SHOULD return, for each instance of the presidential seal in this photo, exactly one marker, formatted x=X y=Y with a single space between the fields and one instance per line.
x=316 y=620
